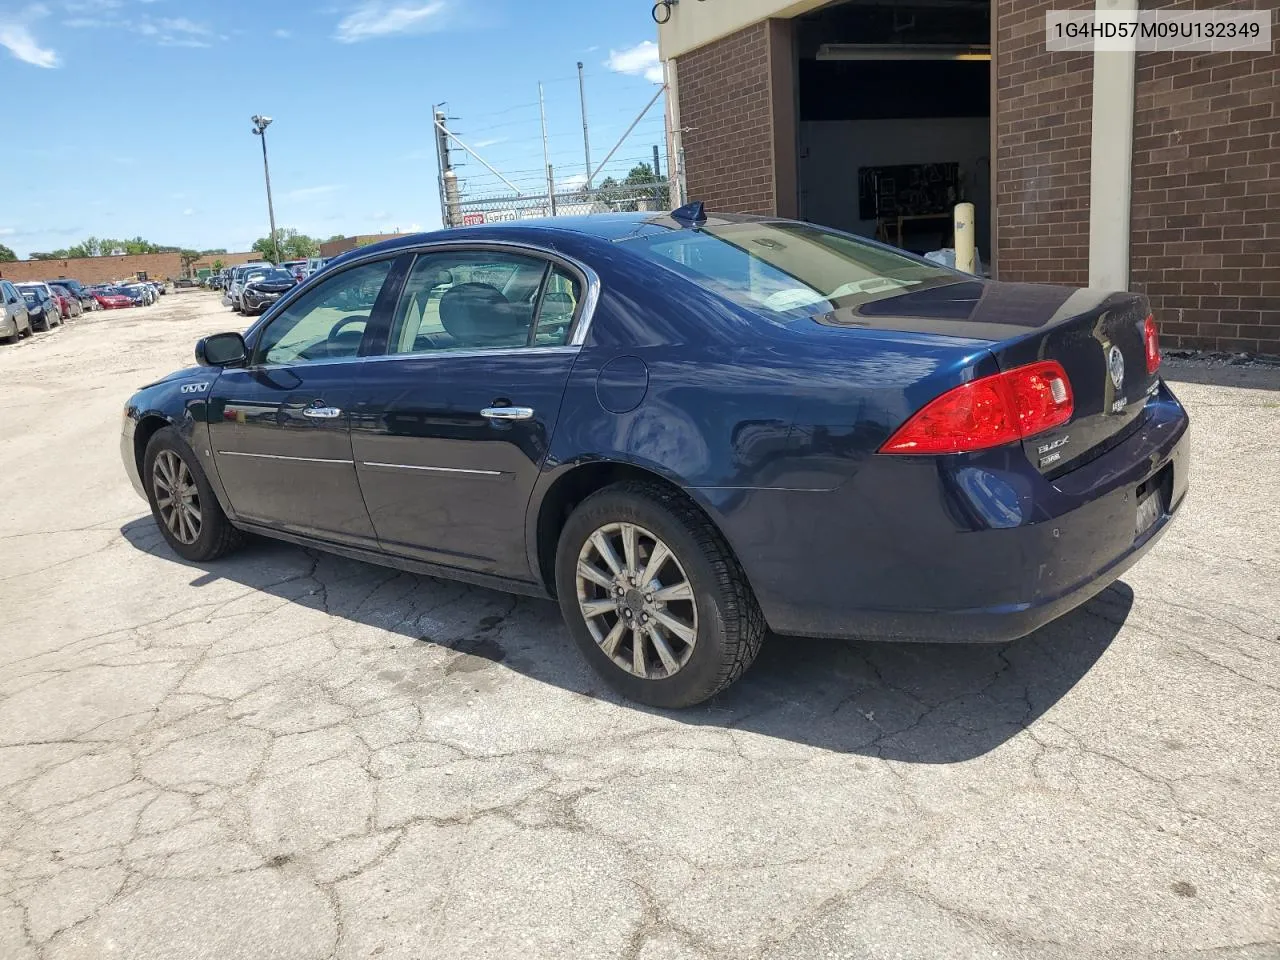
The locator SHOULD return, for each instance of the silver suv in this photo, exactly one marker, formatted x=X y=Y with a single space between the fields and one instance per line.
x=15 y=321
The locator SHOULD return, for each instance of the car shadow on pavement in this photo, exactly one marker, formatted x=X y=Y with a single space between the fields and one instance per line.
x=922 y=703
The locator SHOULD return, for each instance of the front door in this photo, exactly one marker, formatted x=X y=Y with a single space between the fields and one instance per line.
x=458 y=415
x=280 y=426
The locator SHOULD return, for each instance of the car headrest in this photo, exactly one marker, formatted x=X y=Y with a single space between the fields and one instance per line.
x=477 y=313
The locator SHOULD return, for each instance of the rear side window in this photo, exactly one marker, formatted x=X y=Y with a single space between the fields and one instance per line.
x=483 y=300
x=789 y=268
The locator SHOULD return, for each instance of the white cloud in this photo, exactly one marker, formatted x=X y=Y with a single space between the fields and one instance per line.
x=574 y=181
x=283 y=34
x=638 y=61
x=17 y=39
x=481 y=144
x=189 y=212
x=183 y=25
x=7 y=231
x=378 y=18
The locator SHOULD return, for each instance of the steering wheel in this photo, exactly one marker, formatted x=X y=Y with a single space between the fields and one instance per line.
x=344 y=322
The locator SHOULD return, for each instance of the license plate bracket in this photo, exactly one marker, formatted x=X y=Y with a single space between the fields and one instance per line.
x=1152 y=499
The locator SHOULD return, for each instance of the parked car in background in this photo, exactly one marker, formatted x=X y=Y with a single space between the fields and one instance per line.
x=241 y=276
x=15 y=321
x=42 y=305
x=111 y=298
x=262 y=290
x=297 y=268
x=77 y=289
x=316 y=264
x=143 y=294
x=68 y=303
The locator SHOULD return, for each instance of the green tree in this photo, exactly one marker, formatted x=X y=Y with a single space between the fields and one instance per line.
x=641 y=173
x=188 y=258
x=7 y=255
x=292 y=244
x=336 y=236
x=53 y=255
x=218 y=265
x=213 y=252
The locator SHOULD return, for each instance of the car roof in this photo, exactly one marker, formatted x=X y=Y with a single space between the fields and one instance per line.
x=610 y=227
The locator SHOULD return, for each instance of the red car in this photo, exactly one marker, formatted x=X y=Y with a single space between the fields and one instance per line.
x=111 y=299
x=68 y=305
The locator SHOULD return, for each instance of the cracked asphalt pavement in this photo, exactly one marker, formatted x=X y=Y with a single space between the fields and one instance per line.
x=289 y=755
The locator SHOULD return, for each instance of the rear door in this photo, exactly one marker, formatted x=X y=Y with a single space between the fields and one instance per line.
x=457 y=417
x=280 y=427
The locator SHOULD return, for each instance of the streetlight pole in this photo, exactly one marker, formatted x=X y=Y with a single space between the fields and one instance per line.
x=260 y=125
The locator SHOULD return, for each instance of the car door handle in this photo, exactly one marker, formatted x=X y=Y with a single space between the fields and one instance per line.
x=507 y=413
x=322 y=413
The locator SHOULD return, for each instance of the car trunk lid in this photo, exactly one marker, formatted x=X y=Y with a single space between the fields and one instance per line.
x=1097 y=336
x=1099 y=341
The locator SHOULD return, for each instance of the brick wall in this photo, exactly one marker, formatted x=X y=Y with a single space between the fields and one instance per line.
x=157 y=266
x=1206 y=194
x=1042 y=128
x=725 y=112
x=332 y=248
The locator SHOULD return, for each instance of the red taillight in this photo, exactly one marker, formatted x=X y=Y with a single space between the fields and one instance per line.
x=1151 y=337
x=990 y=412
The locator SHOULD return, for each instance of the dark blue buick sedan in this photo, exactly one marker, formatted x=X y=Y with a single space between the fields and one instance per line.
x=688 y=430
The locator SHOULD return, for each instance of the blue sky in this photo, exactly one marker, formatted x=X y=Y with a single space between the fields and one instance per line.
x=136 y=112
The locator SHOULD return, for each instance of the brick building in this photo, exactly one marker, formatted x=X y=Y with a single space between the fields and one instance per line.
x=331 y=248
x=1155 y=172
x=156 y=266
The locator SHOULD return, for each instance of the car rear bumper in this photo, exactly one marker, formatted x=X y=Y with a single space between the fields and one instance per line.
x=967 y=549
x=9 y=326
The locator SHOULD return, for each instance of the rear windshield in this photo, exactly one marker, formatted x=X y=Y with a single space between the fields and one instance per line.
x=790 y=269
x=272 y=276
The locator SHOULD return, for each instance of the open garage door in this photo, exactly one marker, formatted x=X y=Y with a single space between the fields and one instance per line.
x=895 y=118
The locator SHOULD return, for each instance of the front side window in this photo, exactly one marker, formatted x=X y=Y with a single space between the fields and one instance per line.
x=328 y=321
x=789 y=267
x=483 y=300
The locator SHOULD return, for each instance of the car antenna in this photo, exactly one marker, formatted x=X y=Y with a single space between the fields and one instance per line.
x=691 y=213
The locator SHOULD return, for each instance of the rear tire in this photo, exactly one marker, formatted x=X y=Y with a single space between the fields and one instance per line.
x=186 y=509
x=707 y=596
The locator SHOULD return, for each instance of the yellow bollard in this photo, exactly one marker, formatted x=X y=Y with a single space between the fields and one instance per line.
x=966 y=242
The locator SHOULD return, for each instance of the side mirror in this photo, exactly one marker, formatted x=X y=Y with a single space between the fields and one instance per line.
x=221 y=350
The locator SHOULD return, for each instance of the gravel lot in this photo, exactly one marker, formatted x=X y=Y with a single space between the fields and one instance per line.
x=289 y=755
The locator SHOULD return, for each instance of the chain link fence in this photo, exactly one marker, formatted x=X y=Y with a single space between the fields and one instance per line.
x=609 y=197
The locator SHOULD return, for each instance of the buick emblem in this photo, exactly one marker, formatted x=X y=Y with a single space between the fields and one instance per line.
x=1115 y=366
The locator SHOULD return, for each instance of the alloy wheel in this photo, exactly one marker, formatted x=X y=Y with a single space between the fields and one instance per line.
x=637 y=601
x=177 y=496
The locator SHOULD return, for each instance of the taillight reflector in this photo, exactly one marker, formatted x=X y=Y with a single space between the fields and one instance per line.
x=1151 y=338
x=989 y=412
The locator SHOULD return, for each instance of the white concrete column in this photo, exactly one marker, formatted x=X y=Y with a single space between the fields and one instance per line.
x=1111 y=167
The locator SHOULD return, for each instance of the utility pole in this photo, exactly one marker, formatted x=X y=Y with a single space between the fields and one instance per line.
x=586 y=136
x=448 y=178
x=260 y=125
x=546 y=156
x=657 y=173
x=440 y=163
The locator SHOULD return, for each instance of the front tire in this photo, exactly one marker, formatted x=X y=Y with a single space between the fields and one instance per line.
x=182 y=501
x=654 y=597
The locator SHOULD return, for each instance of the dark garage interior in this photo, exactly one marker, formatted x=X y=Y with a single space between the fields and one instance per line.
x=895 y=118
